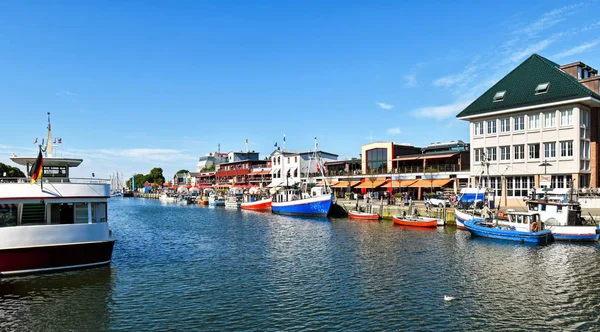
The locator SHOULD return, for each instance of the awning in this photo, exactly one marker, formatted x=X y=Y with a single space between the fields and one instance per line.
x=223 y=185
x=407 y=158
x=368 y=184
x=345 y=184
x=260 y=172
x=430 y=183
x=439 y=156
x=399 y=183
x=274 y=184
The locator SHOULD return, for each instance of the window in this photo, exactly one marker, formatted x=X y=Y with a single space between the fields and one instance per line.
x=377 y=160
x=478 y=128
x=585 y=149
x=499 y=96
x=495 y=184
x=478 y=155
x=550 y=150
x=542 y=88
x=534 y=151
x=518 y=186
x=534 y=121
x=560 y=181
x=579 y=73
x=491 y=127
x=519 y=152
x=505 y=125
x=550 y=120
x=519 y=123
x=585 y=118
x=566 y=118
x=505 y=152
x=566 y=149
x=491 y=154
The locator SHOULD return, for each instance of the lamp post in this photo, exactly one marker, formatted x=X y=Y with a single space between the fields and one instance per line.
x=545 y=164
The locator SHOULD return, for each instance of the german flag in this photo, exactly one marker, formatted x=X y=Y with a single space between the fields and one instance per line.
x=36 y=170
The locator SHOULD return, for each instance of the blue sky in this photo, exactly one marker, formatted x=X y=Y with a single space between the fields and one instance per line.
x=141 y=84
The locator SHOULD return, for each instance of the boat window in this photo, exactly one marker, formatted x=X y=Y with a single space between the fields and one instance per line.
x=8 y=215
x=559 y=208
x=543 y=207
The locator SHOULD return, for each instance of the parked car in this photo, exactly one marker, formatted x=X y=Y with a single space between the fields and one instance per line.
x=437 y=200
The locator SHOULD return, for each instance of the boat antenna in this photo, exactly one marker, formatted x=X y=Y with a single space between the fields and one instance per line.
x=49 y=142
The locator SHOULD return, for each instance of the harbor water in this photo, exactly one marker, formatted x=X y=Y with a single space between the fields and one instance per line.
x=199 y=268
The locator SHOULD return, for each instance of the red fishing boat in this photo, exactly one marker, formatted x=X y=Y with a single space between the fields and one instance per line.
x=415 y=221
x=363 y=215
x=256 y=202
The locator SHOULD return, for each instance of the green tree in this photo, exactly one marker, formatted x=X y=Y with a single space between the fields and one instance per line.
x=139 y=181
x=11 y=172
x=182 y=171
x=156 y=176
x=210 y=168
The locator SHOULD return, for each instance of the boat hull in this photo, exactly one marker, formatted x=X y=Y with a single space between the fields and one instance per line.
x=263 y=204
x=542 y=237
x=363 y=216
x=311 y=207
x=575 y=233
x=423 y=222
x=18 y=261
x=461 y=217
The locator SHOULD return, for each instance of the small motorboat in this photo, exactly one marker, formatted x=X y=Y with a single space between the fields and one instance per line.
x=363 y=215
x=415 y=221
x=520 y=227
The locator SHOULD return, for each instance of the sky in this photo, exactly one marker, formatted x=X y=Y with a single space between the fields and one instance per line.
x=133 y=85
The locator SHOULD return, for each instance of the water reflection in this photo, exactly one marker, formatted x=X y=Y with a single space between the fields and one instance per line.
x=75 y=300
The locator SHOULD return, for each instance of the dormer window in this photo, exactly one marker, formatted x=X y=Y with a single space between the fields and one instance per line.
x=542 y=88
x=499 y=96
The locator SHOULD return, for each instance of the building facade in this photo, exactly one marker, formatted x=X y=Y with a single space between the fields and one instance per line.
x=377 y=157
x=289 y=168
x=537 y=126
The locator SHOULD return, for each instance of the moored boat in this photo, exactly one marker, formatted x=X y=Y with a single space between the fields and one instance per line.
x=215 y=200
x=562 y=216
x=51 y=221
x=256 y=202
x=415 y=221
x=522 y=227
x=358 y=215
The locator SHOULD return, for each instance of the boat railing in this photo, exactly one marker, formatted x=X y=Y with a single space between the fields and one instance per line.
x=58 y=180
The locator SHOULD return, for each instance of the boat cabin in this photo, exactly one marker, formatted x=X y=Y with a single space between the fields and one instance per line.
x=55 y=199
x=521 y=221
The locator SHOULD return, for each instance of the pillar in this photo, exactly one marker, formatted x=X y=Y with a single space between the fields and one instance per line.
x=593 y=148
x=89 y=206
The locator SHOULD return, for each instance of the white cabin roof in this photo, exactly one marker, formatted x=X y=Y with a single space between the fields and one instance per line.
x=48 y=161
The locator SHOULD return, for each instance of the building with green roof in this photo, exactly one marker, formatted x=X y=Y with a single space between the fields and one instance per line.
x=537 y=126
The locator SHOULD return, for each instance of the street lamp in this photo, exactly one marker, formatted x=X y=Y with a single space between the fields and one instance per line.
x=545 y=164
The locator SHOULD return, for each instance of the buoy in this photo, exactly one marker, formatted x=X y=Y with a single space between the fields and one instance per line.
x=448 y=298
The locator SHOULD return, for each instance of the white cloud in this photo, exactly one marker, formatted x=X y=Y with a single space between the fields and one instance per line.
x=441 y=112
x=576 y=50
x=65 y=93
x=385 y=106
x=394 y=131
x=410 y=80
x=535 y=48
x=549 y=19
x=467 y=76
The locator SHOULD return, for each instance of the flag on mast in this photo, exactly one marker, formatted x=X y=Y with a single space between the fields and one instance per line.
x=36 y=170
x=246 y=145
x=36 y=140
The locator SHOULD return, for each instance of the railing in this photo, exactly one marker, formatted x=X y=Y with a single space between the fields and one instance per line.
x=58 y=180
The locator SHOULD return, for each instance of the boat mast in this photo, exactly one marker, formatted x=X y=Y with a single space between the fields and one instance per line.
x=320 y=166
x=49 y=142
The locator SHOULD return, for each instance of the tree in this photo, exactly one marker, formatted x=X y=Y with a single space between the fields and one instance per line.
x=139 y=181
x=11 y=172
x=210 y=168
x=182 y=171
x=156 y=176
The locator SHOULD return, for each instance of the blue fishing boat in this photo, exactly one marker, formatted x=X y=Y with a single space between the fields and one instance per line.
x=522 y=227
x=297 y=201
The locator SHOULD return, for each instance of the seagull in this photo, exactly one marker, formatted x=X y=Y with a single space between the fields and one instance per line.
x=448 y=298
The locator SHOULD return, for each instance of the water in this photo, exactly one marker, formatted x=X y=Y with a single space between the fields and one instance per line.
x=199 y=268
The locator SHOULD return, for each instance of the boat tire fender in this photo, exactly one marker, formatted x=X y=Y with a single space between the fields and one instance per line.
x=535 y=227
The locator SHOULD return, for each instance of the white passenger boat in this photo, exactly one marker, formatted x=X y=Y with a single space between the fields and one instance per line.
x=57 y=222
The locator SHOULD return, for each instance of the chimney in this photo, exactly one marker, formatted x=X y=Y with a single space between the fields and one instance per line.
x=585 y=74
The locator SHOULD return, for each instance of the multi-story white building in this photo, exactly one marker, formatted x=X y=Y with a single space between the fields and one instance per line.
x=288 y=168
x=540 y=119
